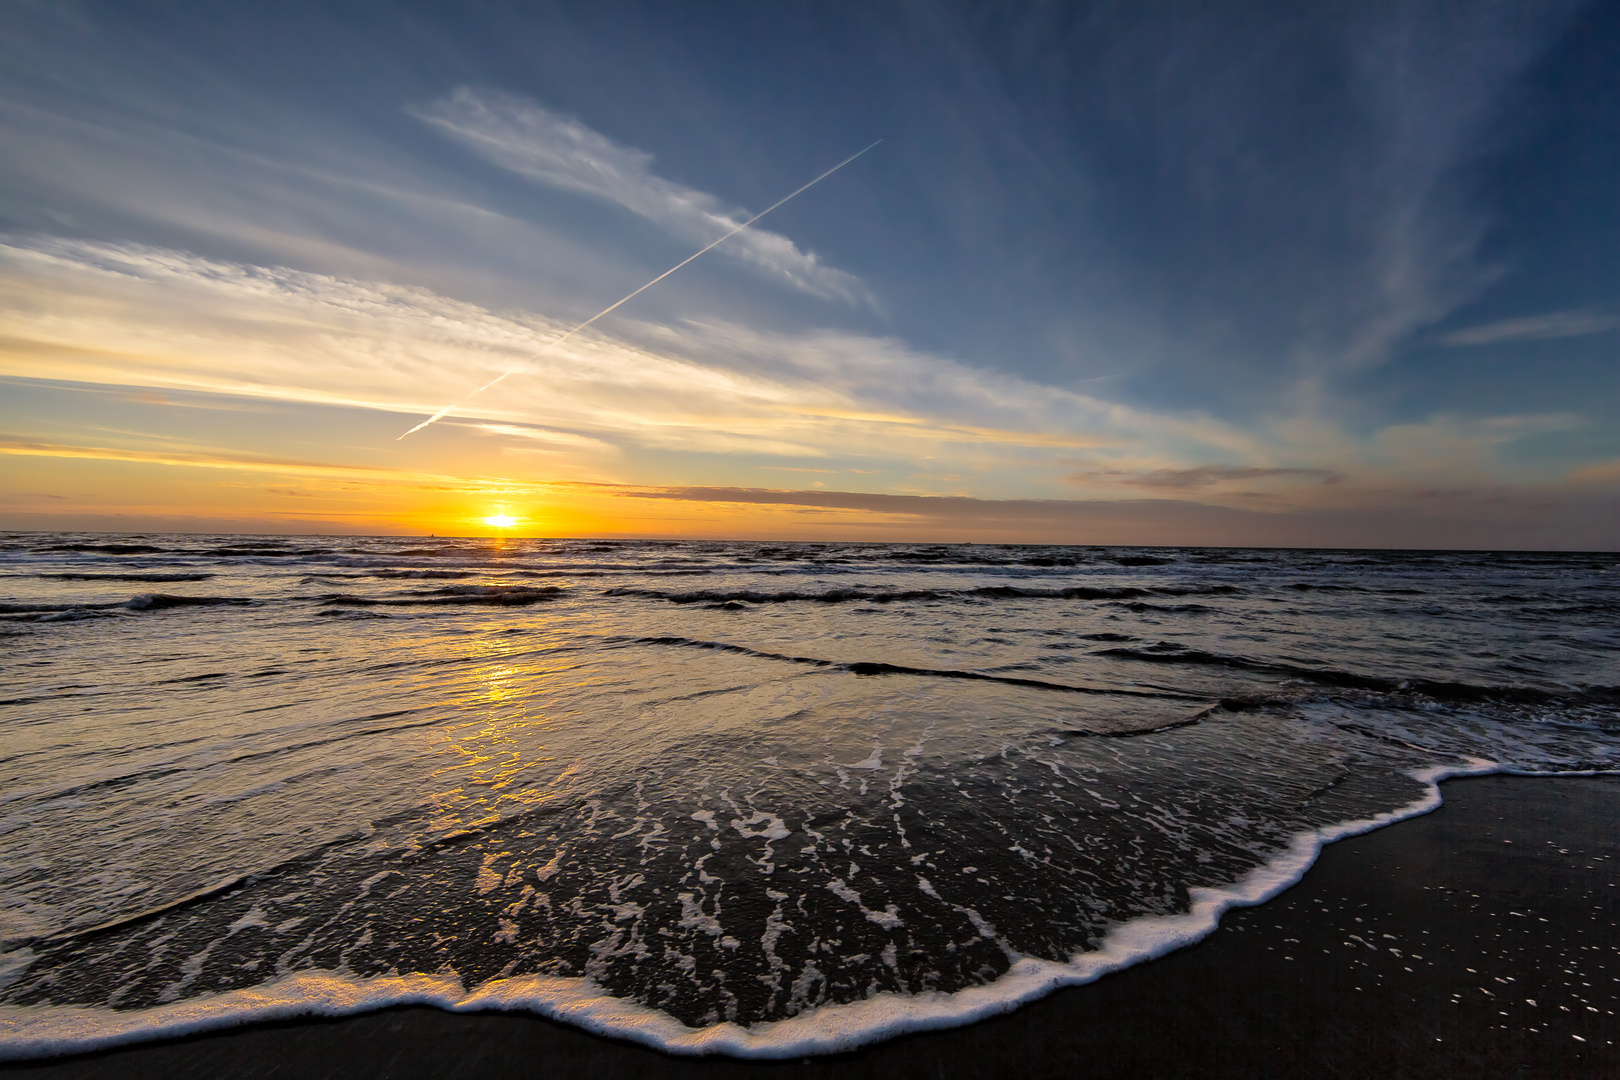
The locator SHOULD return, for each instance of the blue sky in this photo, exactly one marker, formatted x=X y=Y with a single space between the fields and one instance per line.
x=1120 y=272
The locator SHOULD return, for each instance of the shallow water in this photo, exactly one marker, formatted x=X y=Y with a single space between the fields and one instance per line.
x=791 y=795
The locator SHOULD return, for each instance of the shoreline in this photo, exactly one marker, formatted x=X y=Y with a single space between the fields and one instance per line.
x=826 y=1030
x=1481 y=936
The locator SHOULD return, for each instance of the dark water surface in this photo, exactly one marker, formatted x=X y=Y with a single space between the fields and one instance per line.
x=823 y=792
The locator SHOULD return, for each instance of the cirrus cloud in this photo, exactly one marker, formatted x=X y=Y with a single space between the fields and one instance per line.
x=1557 y=324
x=561 y=152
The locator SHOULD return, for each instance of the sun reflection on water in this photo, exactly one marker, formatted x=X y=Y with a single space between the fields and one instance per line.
x=498 y=760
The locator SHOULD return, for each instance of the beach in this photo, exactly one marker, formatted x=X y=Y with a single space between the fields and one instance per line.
x=1479 y=940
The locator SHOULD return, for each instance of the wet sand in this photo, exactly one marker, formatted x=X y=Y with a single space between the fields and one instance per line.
x=1482 y=940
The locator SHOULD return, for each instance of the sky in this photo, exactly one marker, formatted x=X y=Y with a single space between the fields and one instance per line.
x=1289 y=273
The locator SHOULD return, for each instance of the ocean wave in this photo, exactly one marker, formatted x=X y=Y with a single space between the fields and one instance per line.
x=109 y=549
x=430 y=575
x=66 y=614
x=29 y=1031
x=41 y=609
x=877 y=667
x=1442 y=690
x=754 y=596
x=261 y=552
x=163 y=601
x=454 y=595
x=152 y=577
x=892 y=596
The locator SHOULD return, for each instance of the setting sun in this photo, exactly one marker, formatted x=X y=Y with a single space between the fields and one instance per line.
x=500 y=521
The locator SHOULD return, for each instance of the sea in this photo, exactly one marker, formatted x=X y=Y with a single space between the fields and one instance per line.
x=760 y=799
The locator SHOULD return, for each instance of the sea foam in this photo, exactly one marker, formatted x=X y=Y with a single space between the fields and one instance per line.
x=47 y=1030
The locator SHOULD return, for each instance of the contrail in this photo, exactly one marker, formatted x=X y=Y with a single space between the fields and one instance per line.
x=558 y=341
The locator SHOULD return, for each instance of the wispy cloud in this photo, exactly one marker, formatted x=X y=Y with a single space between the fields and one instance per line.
x=164 y=318
x=1602 y=473
x=605 y=405
x=1312 y=201
x=562 y=152
x=1557 y=324
x=560 y=440
x=15 y=447
x=1201 y=476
